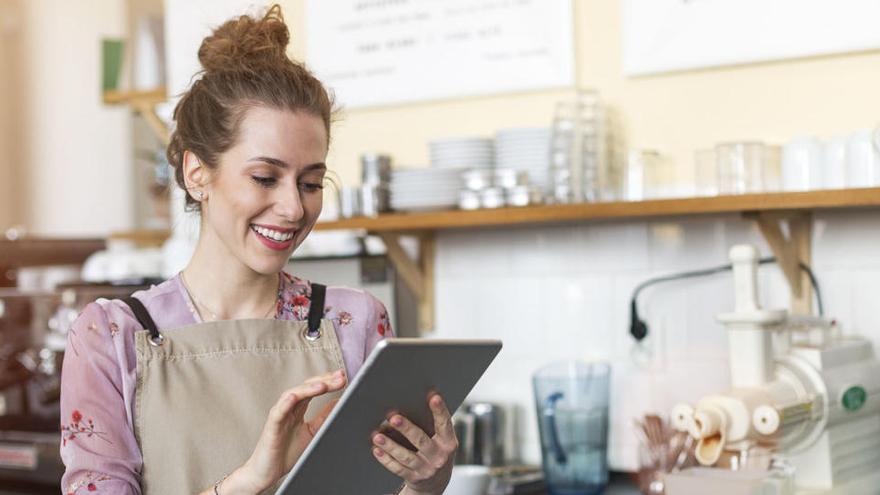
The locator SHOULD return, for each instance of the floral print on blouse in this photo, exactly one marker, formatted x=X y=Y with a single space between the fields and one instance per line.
x=98 y=381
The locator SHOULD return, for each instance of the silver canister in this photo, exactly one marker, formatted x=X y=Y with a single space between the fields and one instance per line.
x=349 y=202
x=508 y=178
x=489 y=433
x=492 y=197
x=374 y=199
x=375 y=169
x=524 y=196
x=463 y=423
x=477 y=179
x=468 y=199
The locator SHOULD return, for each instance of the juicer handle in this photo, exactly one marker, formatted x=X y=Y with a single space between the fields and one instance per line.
x=548 y=416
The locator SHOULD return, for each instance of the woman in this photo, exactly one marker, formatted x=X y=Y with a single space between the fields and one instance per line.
x=185 y=388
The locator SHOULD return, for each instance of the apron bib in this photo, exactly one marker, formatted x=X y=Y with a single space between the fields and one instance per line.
x=203 y=391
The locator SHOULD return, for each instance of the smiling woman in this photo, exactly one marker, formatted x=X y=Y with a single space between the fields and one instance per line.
x=216 y=380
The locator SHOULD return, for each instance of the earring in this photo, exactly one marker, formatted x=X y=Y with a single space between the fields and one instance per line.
x=199 y=195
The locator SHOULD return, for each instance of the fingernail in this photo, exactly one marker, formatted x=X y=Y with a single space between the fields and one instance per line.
x=396 y=421
x=338 y=379
x=378 y=452
x=379 y=439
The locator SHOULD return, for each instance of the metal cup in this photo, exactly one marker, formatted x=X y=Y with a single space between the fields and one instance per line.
x=375 y=169
x=463 y=423
x=489 y=434
x=350 y=202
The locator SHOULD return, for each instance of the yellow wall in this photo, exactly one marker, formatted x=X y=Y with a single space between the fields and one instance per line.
x=674 y=113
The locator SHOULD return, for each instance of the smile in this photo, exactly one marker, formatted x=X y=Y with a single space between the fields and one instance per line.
x=275 y=235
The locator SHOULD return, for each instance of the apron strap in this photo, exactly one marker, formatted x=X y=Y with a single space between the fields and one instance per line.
x=143 y=316
x=316 y=309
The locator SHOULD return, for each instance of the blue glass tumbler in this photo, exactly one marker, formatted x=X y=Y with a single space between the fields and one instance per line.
x=571 y=399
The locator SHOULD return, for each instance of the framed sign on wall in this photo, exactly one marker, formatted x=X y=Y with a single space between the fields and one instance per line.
x=671 y=35
x=377 y=52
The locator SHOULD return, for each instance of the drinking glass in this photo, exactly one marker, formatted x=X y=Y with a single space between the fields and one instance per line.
x=571 y=399
x=740 y=167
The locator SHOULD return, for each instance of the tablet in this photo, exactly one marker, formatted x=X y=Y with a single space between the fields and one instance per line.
x=397 y=377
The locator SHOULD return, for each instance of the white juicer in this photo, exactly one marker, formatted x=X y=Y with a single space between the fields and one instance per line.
x=800 y=389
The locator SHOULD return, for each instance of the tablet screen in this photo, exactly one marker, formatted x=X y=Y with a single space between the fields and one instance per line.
x=398 y=376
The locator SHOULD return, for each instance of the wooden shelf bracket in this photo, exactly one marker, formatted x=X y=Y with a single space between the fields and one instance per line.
x=417 y=274
x=144 y=103
x=790 y=251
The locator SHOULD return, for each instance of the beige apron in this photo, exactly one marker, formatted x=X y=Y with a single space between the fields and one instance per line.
x=204 y=390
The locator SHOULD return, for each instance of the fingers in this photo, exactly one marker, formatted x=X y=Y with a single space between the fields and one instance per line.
x=335 y=380
x=389 y=463
x=443 y=428
x=405 y=457
x=415 y=435
x=429 y=468
x=296 y=399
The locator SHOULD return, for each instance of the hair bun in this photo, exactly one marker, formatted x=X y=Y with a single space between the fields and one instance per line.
x=246 y=42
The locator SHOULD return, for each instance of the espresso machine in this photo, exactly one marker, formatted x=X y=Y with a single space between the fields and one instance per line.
x=803 y=396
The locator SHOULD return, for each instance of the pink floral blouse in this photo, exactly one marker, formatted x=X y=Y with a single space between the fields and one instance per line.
x=98 y=446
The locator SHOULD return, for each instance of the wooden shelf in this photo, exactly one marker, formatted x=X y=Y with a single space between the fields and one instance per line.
x=745 y=203
x=142 y=238
x=791 y=245
x=154 y=96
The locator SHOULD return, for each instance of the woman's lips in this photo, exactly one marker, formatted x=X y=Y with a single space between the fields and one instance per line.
x=272 y=243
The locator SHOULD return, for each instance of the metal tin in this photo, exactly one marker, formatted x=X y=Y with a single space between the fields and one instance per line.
x=477 y=179
x=492 y=197
x=349 y=202
x=508 y=178
x=469 y=200
x=375 y=169
x=523 y=196
x=489 y=434
x=374 y=199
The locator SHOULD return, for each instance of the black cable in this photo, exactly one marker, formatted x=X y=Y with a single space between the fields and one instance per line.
x=815 y=283
x=639 y=329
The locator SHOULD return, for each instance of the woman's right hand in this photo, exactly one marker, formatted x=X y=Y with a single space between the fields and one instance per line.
x=285 y=436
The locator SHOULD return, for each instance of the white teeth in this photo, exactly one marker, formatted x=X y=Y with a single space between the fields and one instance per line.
x=272 y=234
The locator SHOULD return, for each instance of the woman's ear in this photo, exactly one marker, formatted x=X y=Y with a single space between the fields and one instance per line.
x=195 y=175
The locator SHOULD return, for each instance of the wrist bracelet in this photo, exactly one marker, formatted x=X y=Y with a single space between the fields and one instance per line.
x=217 y=485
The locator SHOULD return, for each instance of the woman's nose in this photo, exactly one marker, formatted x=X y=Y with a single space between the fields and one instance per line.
x=289 y=205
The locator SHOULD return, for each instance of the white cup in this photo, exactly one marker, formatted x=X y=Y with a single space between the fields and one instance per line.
x=468 y=480
x=802 y=165
x=834 y=163
x=862 y=160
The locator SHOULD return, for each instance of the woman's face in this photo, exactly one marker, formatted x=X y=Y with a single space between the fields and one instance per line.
x=266 y=193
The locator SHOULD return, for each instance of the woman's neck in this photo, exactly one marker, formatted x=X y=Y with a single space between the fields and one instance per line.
x=224 y=288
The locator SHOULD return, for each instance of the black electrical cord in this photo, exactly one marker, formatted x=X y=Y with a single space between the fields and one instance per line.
x=639 y=329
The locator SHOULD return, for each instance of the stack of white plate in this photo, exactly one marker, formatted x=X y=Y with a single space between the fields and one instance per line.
x=526 y=149
x=468 y=152
x=424 y=189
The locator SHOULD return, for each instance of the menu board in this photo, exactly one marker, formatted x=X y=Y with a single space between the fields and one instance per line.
x=670 y=35
x=377 y=52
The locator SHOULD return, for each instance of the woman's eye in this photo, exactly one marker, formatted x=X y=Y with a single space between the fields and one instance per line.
x=311 y=186
x=264 y=181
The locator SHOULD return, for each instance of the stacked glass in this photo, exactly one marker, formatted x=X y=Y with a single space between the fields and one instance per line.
x=577 y=150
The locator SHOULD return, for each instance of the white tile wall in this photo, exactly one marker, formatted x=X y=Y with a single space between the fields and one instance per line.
x=559 y=292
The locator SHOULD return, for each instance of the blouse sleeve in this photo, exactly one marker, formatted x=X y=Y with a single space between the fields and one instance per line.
x=378 y=325
x=98 y=445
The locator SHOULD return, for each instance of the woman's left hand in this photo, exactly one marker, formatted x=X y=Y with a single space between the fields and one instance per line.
x=428 y=470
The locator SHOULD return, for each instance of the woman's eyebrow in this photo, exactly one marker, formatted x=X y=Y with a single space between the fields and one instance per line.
x=282 y=164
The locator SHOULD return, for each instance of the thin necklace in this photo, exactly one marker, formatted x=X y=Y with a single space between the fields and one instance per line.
x=211 y=313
